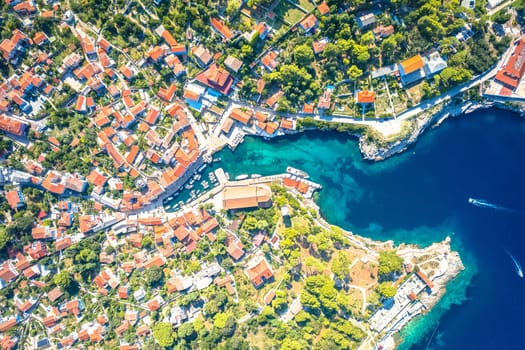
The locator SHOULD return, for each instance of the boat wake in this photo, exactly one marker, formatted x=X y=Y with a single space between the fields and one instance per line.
x=485 y=204
x=516 y=263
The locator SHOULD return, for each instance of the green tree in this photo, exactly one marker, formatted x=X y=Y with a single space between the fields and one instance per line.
x=452 y=76
x=389 y=262
x=163 y=334
x=154 y=275
x=250 y=223
x=386 y=290
x=186 y=331
x=303 y=54
x=361 y=53
x=65 y=280
x=310 y=301
x=220 y=320
x=341 y=264
x=147 y=242
x=4 y=238
x=430 y=28
x=367 y=38
x=354 y=72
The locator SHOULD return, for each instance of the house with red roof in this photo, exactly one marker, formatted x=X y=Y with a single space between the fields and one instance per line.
x=25 y=8
x=216 y=78
x=233 y=63
x=167 y=94
x=12 y=126
x=40 y=38
x=241 y=116
x=365 y=97
x=15 y=199
x=309 y=24
x=259 y=271
x=511 y=74
x=63 y=243
x=261 y=29
x=325 y=99
x=202 y=55
x=8 y=272
x=88 y=46
x=156 y=53
x=235 y=248
x=8 y=323
x=36 y=250
x=323 y=8
x=127 y=72
x=269 y=61
x=104 y=44
x=221 y=28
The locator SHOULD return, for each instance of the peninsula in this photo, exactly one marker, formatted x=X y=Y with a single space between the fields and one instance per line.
x=251 y=263
x=111 y=109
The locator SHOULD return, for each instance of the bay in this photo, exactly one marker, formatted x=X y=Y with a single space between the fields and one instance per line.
x=421 y=196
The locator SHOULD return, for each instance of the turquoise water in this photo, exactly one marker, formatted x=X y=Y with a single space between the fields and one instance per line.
x=421 y=197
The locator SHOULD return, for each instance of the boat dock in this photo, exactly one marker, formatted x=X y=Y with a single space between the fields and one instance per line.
x=223 y=180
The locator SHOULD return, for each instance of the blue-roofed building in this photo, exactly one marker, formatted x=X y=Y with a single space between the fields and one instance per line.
x=43 y=344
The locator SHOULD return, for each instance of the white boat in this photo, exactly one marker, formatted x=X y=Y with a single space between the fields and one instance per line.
x=297 y=172
x=188 y=186
x=170 y=198
x=516 y=263
x=218 y=159
x=241 y=177
x=255 y=176
x=197 y=176
x=202 y=167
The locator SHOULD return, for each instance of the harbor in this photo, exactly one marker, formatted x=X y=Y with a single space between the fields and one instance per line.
x=207 y=181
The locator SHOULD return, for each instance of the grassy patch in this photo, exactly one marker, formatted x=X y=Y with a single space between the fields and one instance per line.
x=415 y=93
x=289 y=13
x=382 y=104
x=306 y=4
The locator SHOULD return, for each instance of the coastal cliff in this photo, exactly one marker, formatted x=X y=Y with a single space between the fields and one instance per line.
x=384 y=146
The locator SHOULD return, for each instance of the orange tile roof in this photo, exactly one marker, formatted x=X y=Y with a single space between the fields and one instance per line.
x=39 y=38
x=241 y=116
x=259 y=272
x=365 y=96
x=309 y=22
x=412 y=64
x=96 y=178
x=219 y=26
x=12 y=126
x=323 y=8
x=156 y=52
x=169 y=38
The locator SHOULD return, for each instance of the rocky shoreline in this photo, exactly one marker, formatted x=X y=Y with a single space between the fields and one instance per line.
x=377 y=150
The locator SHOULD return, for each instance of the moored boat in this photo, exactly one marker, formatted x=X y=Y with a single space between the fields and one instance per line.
x=297 y=172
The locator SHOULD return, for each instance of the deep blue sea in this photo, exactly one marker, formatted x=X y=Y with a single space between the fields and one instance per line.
x=421 y=196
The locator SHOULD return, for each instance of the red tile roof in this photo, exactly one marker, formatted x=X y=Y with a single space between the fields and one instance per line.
x=12 y=126
x=259 y=272
x=365 y=96
x=220 y=27
x=514 y=70
x=323 y=8
x=241 y=116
